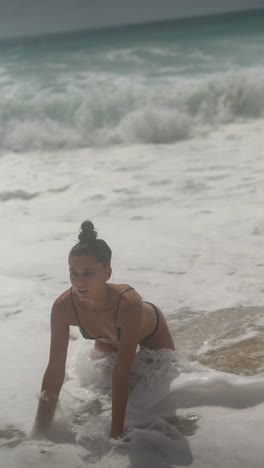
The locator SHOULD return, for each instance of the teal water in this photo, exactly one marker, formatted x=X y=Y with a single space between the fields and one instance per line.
x=89 y=88
x=208 y=34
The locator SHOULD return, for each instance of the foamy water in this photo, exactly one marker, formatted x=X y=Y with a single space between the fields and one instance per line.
x=169 y=167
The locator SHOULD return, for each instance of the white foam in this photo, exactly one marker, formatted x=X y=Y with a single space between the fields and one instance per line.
x=98 y=109
x=166 y=212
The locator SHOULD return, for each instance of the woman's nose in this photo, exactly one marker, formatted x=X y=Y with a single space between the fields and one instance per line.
x=81 y=282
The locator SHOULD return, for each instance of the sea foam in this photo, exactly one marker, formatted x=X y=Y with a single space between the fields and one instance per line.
x=107 y=110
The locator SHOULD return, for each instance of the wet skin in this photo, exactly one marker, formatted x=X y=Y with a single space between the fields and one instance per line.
x=96 y=302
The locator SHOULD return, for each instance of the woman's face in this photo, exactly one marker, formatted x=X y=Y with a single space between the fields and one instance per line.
x=88 y=276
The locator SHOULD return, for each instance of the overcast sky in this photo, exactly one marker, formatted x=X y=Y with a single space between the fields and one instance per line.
x=25 y=17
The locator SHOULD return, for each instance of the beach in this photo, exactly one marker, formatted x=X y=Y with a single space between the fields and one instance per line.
x=155 y=133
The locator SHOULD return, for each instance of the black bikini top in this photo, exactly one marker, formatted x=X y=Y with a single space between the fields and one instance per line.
x=83 y=331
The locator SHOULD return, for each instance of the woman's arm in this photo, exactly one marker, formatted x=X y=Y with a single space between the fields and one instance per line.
x=130 y=320
x=54 y=375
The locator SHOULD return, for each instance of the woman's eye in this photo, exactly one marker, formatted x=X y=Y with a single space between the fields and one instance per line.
x=88 y=273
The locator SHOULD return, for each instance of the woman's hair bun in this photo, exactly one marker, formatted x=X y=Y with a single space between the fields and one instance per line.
x=88 y=233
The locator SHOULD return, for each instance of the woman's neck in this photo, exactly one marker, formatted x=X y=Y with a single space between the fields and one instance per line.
x=105 y=301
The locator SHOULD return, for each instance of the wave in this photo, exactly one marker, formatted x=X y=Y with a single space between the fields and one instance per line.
x=103 y=109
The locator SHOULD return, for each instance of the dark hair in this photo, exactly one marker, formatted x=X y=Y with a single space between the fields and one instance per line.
x=89 y=245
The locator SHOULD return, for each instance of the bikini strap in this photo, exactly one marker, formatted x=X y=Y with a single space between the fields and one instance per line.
x=75 y=310
x=118 y=304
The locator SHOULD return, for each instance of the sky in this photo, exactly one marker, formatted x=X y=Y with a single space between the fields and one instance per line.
x=27 y=17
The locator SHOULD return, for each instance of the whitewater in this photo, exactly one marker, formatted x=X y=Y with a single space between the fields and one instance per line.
x=155 y=133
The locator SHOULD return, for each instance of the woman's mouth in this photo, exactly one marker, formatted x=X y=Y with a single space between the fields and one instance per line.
x=82 y=291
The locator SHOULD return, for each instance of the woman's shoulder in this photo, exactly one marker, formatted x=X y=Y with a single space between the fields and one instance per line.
x=128 y=295
x=62 y=301
x=129 y=301
x=122 y=287
x=124 y=290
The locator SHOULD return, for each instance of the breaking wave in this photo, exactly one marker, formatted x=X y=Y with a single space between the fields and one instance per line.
x=103 y=110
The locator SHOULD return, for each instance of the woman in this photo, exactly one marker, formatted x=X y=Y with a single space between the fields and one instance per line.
x=113 y=315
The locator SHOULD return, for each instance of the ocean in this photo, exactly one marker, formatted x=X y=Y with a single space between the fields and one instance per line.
x=156 y=134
